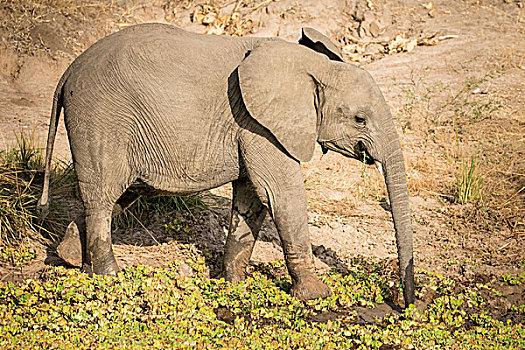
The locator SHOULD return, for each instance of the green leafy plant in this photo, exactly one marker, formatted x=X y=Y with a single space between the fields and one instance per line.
x=514 y=280
x=177 y=225
x=17 y=256
x=144 y=307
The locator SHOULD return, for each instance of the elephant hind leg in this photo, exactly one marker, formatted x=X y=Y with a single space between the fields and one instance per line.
x=247 y=216
x=98 y=257
x=100 y=202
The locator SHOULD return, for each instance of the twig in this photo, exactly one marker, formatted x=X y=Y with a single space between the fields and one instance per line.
x=449 y=36
x=227 y=4
x=6 y=275
x=144 y=227
x=503 y=246
x=236 y=7
x=511 y=197
x=438 y=194
x=509 y=173
x=264 y=3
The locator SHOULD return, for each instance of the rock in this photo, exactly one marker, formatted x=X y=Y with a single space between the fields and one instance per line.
x=224 y=315
x=70 y=249
x=479 y=91
x=374 y=29
x=373 y=49
x=320 y=266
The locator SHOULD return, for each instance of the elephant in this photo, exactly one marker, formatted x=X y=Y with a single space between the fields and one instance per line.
x=177 y=112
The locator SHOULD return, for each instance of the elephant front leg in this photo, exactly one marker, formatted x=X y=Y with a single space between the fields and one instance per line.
x=289 y=211
x=246 y=219
x=279 y=183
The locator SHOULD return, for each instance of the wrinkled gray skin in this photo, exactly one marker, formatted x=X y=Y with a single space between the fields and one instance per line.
x=158 y=107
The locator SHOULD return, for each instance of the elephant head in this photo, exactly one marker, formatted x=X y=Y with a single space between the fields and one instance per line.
x=305 y=94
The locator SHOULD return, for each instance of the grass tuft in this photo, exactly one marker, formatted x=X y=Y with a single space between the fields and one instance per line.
x=21 y=177
x=18 y=169
x=469 y=181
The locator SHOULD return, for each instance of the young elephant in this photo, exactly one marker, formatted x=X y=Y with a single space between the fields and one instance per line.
x=181 y=112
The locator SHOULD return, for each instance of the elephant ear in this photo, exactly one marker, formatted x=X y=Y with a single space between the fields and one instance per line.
x=316 y=41
x=278 y=92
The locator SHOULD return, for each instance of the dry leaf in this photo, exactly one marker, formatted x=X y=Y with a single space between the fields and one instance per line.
x=355 y=58
x=205 y=14
x=430 y=40
x=410 y=45
x=428 y=6
x=445 y=37
x=209 y=18
x=197 y=16
x=353 y=48
x=215 y=30
x=401 y=44
x=374 y=29
x=124 y=25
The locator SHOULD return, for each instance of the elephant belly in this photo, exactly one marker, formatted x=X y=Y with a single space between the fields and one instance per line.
x=182 y=186
x=189 y=165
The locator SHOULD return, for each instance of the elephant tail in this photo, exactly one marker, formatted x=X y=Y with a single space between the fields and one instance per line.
x=42 y=207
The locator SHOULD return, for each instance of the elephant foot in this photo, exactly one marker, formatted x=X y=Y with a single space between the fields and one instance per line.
x=106 y=266
x=233 y=273
x=310 y=287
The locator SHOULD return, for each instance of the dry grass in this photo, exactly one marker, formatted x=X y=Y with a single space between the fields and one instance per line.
x=441 y=124
x=21 y=170
x=36 y=25
x=18 y=17
x=76 y=24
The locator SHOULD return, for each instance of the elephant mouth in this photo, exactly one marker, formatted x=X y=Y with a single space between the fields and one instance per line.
x=362 y=154
x=359 y=152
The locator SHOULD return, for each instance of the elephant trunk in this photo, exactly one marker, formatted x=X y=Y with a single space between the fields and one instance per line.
x=395 y=178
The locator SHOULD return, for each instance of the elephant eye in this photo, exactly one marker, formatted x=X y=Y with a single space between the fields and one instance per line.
x=360 y=120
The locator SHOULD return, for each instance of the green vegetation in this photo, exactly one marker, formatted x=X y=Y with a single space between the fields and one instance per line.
x=469 y=181
x=514 y=280
x=144 y=307
x=16 y=256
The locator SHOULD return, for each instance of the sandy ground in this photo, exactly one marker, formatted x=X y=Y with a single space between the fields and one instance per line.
x=463 y=94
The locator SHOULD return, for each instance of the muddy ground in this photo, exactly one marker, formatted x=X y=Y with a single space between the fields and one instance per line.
x=453 y=73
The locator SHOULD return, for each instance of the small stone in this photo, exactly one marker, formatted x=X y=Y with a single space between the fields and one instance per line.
x=70 y=249
x=224 y=315
x=373 y=49
x=374 y=29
